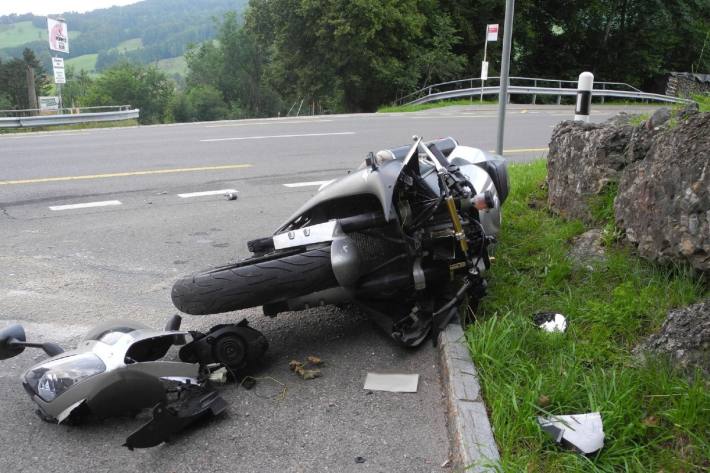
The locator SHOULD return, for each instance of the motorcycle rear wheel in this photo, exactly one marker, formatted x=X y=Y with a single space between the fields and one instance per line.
x=254 y=281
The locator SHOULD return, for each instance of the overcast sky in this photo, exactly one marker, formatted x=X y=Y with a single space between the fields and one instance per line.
x=43 y=7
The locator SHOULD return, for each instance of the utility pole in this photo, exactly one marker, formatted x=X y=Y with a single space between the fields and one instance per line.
x=31 y=92
x=505 y=68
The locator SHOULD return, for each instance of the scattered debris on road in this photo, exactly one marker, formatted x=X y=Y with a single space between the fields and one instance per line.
x=305 y=370
x=550 y=322
x=581 y=432
x=394 y=383
x=360 y=460
x=117 y=369
x=219 y=375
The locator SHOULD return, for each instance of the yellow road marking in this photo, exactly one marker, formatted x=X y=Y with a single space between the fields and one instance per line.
x=521 y=150
x=124 y=174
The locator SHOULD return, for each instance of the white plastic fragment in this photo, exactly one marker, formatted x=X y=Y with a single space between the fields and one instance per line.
x=394 y=383
x=219 y=376
x=550 y=322
x=582 y=432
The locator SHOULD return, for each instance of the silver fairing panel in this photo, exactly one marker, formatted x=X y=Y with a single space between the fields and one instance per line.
x=466 y=158
x=379 y=183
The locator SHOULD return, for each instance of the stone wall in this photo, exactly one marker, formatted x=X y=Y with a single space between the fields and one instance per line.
x=662 y=168
x=685 y=84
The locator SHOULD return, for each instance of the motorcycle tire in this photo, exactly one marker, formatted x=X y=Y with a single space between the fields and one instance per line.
x=254 y=282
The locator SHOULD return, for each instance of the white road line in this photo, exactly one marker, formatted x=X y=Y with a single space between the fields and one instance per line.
x=274 y=122
x=264 y=137
x=307 y=184
x=87 y=205
x=204 y=193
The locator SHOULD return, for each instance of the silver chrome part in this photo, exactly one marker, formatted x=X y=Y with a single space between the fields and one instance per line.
x=345 y=261
x=319 y=233
x=418 y=275
x=413 y=150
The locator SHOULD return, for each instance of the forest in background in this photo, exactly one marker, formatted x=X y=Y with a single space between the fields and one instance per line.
x=353 y=56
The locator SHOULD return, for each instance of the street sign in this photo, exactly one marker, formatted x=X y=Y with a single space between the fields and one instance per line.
x=58 y=35
x=58 y=66
x=492 y=32
x=50 y=103
x=59 y=77
x=484 y=70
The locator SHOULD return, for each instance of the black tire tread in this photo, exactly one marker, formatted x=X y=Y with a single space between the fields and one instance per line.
x=246 y=284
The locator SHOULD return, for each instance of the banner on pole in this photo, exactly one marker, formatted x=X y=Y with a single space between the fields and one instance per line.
x=58 y=66
x=492 y=32
x=58 y=35
x=484 y=70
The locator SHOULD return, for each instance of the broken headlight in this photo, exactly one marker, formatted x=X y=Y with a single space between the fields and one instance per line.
x=52 y=379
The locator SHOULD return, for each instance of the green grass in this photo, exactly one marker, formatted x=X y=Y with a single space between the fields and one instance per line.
x=173 y=65
x=654 y=419
x=440 y=104
x=130 y=45
x=20 y=33
x=85 y=62
x=703 y=101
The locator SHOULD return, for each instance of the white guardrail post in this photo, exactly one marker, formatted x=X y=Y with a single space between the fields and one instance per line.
x=585 y=85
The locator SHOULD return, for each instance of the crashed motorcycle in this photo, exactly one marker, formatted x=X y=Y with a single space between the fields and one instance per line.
x=407 y=237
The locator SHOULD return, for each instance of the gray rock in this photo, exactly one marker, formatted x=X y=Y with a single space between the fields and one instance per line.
x=684 y=338
x=587 y=247
x=582 y=160
x=659 y=117
x=663 y=202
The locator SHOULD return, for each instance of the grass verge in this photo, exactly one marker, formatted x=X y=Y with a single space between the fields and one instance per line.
x=440 y=104
x=654 y=419
x=703 y=101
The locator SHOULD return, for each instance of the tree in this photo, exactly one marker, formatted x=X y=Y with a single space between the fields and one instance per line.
x=144 y=87
x=236 y=67
x=13 y=79
x=75 y=91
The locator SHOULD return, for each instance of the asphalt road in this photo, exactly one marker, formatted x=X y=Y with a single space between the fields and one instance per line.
x=62 y=270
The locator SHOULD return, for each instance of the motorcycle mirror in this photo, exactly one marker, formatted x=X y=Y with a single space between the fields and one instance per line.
x=11 y=341
x=52 y=349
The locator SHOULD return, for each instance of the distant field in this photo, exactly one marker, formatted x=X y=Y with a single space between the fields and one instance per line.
x=130 y=45
x=86 y=62
x=173 y=65
x=20 y=33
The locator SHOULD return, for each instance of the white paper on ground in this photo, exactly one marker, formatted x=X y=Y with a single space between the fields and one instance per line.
x=394 y=383
x=584 y=432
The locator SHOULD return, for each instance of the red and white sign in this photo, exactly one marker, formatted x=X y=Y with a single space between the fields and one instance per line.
x=58 y=35
x=492 y=32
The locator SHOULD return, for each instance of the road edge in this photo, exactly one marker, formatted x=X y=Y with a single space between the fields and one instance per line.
x=474 y=447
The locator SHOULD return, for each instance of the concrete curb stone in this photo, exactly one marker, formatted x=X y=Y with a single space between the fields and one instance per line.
x=474 y=446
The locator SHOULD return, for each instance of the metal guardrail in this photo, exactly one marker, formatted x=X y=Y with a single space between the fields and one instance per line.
x=26 y=121
x=531 y=86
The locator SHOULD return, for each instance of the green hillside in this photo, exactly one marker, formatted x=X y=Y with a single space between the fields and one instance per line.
x=173 y=66
x=85 y=62
x=20 y=33
x=145 y=32
x=130 y=45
